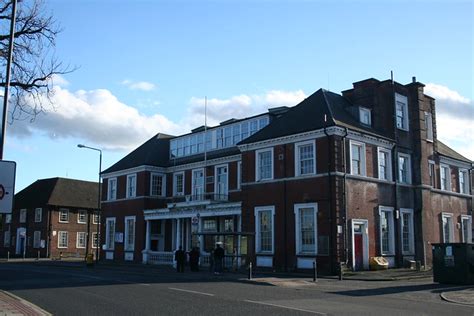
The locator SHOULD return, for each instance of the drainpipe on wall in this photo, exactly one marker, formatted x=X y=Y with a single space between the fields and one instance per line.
x=344 y=218
x=395 y=162
x=48 y=246
x=285 y=233
x=331 y=228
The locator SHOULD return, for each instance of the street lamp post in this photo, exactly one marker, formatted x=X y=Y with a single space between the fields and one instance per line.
x=98 y=207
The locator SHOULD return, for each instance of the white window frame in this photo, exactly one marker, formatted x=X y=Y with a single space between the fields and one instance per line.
x=129 y=246
x=388 y=163
x=257 y=211
x=391 y=233
x=6 y=238
x=79 y=212
x=432 y=173
x=37 y=239
x=216 y=181
x=257 y=164
x=96 y=218
x=8 y=218
x=78 y=238
x=175 y=184
x=464 y=184
x=61 y=210
x=408 y=180
x=411 y=231
x=23 y=213
x=445 y=186
x=199 y=195
x=429 y=126
x=403 y=100
x=60 y=239
x=131 y=186
x=94 y=237
x=163 y=184
x=297 y=211
x=110 y=238
x=38 y=215
x=468 y=238
x=298 y=157
x=112 y=189
x=363 y=163
x=363 y=110
x=447 y=216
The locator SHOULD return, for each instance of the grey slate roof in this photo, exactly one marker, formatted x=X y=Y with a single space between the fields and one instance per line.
x=58 y=192
x=449 y=152
x=154 y=152
x=321 y=109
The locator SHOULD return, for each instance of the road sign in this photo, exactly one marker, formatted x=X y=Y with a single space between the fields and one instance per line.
x=7 y=185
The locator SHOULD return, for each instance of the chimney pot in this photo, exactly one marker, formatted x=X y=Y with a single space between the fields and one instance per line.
x=413 y=79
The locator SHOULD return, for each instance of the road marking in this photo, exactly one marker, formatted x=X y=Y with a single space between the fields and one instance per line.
x=189 y=291
x=287 y=307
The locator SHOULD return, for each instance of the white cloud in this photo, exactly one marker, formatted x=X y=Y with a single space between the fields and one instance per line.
x=96 y=116
x=241 y=106
x=59 y=81
x=99 y=118
x=454 y=118
x=140 y=85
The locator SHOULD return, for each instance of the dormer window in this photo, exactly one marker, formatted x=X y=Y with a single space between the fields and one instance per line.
x=365 y=116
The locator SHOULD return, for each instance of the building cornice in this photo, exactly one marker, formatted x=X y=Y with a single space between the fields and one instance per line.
x=128 y=171
x=454 y=162
x=202 y=163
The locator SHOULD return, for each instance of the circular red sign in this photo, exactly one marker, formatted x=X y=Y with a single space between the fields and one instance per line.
x=2 y=192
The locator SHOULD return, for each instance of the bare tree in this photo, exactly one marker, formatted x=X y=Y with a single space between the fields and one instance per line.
x=34 y=64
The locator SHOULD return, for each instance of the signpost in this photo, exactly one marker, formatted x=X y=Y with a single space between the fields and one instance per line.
x=7 y=186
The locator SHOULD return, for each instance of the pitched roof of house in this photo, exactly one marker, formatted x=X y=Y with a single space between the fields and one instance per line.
x=321 y=109
x=58 y=192
x=154 y=152
x=444 y=150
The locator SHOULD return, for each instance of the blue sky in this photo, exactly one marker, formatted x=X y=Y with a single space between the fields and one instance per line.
x=145 y=67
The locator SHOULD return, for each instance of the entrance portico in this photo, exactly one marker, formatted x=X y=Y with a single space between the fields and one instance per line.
x=177 y=225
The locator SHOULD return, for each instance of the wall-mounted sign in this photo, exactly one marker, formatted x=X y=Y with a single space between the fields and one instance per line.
x=7 y=185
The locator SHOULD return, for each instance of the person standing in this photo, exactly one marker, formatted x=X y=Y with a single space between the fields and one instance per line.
x=180 y=258
x=218 y=258
x=194 y=259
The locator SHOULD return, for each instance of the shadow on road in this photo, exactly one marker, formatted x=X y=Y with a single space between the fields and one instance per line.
x=434 y=288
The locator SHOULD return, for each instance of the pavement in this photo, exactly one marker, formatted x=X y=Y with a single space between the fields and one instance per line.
x=14 y=305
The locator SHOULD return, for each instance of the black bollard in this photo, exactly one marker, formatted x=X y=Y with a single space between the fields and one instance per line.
x=315 y=271
x=250 y=271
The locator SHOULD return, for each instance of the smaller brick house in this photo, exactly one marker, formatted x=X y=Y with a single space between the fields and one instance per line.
x=51 y=217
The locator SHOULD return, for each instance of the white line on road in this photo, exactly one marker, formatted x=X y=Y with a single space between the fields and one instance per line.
x=189 y=291
x=287 y=307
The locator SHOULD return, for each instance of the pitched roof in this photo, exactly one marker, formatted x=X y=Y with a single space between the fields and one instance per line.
x=449 y=152
x=321 y=109
x=58 y=192
x=154 y=152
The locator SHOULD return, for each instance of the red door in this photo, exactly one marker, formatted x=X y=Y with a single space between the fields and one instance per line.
x=358 y=252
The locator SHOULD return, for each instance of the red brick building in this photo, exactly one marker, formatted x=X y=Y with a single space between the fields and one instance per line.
x=52 y=217
x=336 y=178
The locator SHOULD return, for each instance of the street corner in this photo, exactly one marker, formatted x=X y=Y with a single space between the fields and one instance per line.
x=11 y=304
x=465 y=296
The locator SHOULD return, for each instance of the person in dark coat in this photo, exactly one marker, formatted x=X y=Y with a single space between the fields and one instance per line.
x=194 y=259
x=180 y=258
x=218 y=258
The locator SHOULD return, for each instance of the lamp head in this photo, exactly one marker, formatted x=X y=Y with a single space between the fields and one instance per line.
x=81 y=146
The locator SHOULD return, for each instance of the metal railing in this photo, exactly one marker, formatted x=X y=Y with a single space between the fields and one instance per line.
x=199 y=197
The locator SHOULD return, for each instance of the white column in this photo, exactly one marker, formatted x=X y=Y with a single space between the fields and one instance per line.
x=178 y=233
x=201 y=237
x=173 y=234
x=148 y=236
x=147 y=243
